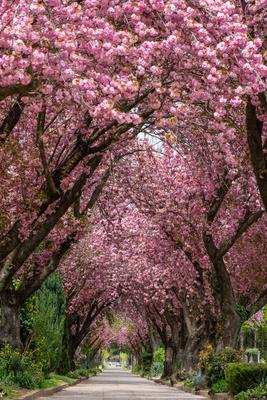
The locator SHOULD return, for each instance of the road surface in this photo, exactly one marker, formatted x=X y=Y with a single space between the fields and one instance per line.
x=117 y=384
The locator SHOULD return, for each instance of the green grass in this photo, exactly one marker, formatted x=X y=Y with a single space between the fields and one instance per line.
x=55 y=380
x=9 y=392
x=52 y=381
x=63 y=378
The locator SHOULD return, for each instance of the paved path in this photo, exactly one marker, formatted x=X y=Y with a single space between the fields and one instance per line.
x=116 y=384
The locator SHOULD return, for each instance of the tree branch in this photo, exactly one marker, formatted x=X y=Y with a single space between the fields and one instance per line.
x=257 y=155
x=34 y=284
x=11 y=120
x=39 y=232
x=258 y=304
x=216 y=203
x=23 y=90
x=52 y=190
x=243 y=226
x=95 y=195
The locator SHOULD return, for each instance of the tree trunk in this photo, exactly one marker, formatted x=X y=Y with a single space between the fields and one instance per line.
x=195 y=334
x=229 y=329
x=137 y=360
x=167 y=371
x=9 y=321
x=256 y=146
x=72 y=350
x=173 y=344
x=229 y=322
x=193 y=346
x=155 y=342
x=171 y=361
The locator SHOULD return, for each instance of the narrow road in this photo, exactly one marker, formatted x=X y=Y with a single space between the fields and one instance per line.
x=117 y=384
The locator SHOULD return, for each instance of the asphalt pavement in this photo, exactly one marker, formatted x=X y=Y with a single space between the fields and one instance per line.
x=116 y=384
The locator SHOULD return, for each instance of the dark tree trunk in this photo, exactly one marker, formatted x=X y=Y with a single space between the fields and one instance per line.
x=73 y=346
x=229 y=327
x=9 y=321
x=170 y=362
x=74 y=342
x=137 y=360
x=173 y=351
x=71 y=358
x=69 y=348
x=173 y=362
x=191 y=352
x=155 y=342
x=257 y=147
x=229 y=322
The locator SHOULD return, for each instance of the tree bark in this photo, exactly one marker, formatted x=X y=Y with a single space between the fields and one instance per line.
x=72 y=348
x=256 y=146
x=195 y=340
x=229 y=328
x=172 y=348
x=229 y=322
x=172 y=359
x=9 y=321
x=168 y=362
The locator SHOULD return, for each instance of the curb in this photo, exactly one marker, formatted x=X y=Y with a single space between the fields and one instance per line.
x=222 y=396
x=203 y=393
x=48 y=392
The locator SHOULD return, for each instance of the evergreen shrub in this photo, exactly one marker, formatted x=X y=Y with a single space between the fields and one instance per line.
x=241 y=376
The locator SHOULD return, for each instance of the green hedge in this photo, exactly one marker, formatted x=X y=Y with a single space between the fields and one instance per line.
x=219 y=387
x=258 y=392
x=156 y=369
x=241 y=377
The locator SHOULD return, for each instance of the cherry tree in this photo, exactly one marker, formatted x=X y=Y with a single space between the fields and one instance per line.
x=93 y=283
x=58 y=121
x=150 y=266
x=149 y=241
x=80 y=80
x=208 y=211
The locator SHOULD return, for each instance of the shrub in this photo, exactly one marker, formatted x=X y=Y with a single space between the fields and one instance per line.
x=189 y=382
x=94 y=371
x=136 y=370
x=147 y=358
x=256 y=393
x=220 y=386
x=83 y=373
x=9 y=363
x=156 y=369
x=159 y=355
x=62 y=378
x=213 y=364
x=74 y=374
x=6 y=391
x=17 y=369
x=48 y=323
x=26 y=379
x=241 y=376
